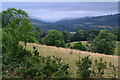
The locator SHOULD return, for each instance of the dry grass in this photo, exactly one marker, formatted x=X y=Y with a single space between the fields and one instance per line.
x=70 y=56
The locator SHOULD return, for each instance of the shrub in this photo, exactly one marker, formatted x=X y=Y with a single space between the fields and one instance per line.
x=43 y=67
x=99 y=68
x=114 y=75
x=89 y=69
x=35 y=66
x=84 y=65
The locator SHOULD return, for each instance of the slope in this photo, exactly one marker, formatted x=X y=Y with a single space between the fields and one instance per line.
x=72 y=25
x=70 y=56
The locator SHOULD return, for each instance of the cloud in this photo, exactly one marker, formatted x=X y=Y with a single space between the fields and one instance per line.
x=60 y=0
x=58 y=10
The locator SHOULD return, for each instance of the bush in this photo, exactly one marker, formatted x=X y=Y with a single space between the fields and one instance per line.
x=42 y=67
x=34 y=66
x=93 y=69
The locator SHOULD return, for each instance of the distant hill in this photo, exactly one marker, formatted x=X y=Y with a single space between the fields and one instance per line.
x=74 y=24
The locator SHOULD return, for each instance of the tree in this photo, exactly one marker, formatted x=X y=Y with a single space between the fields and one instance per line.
x=13 y=52
x=66 y=37
x=91 y=34
x=16 y=20
x=21 y=63
x=104 y=43
x=79 y=36
x=12 y=13
x=24 y=30
x=35 y=35
x=15 y=29
x=117 y=33
x=54 y=38
x=79 y=46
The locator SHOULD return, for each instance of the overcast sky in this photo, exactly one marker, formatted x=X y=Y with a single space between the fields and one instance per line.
x=53 y=11
x=59 y=0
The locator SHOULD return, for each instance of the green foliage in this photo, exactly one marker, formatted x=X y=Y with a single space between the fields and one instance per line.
x=35 y=51
x=66 y=37
x=16 y=23
x=117 y=33
x=104 y=43
x=84 y=65
x=35 y=35
x=10 y=40
x=91 y=34
x=12 y=60
x=79 y=36
x=12 y=13
x=35 y=66
x=79 y=46
x=19 y=62
x=25 y=29
x=54 y=38
x=13 y=53
x=17 y=26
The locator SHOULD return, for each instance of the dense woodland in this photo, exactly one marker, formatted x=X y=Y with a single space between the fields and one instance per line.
x=18 y=62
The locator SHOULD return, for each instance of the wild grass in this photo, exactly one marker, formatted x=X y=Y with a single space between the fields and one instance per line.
x=68 y=58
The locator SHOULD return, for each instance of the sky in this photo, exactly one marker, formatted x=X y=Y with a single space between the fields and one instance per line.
x=60 y=0
x=54 y=11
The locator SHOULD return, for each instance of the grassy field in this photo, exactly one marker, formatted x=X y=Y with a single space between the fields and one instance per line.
x=70 y=56
x=116 y=52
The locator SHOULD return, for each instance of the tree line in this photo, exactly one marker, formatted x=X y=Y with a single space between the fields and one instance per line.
x=101 y=41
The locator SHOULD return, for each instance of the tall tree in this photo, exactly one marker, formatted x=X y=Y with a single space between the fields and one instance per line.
x=12 y=13
x=12 y=34
x=24 y=30
x=54 y=38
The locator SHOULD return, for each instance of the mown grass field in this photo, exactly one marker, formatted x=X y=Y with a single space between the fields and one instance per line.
x=70 y=56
